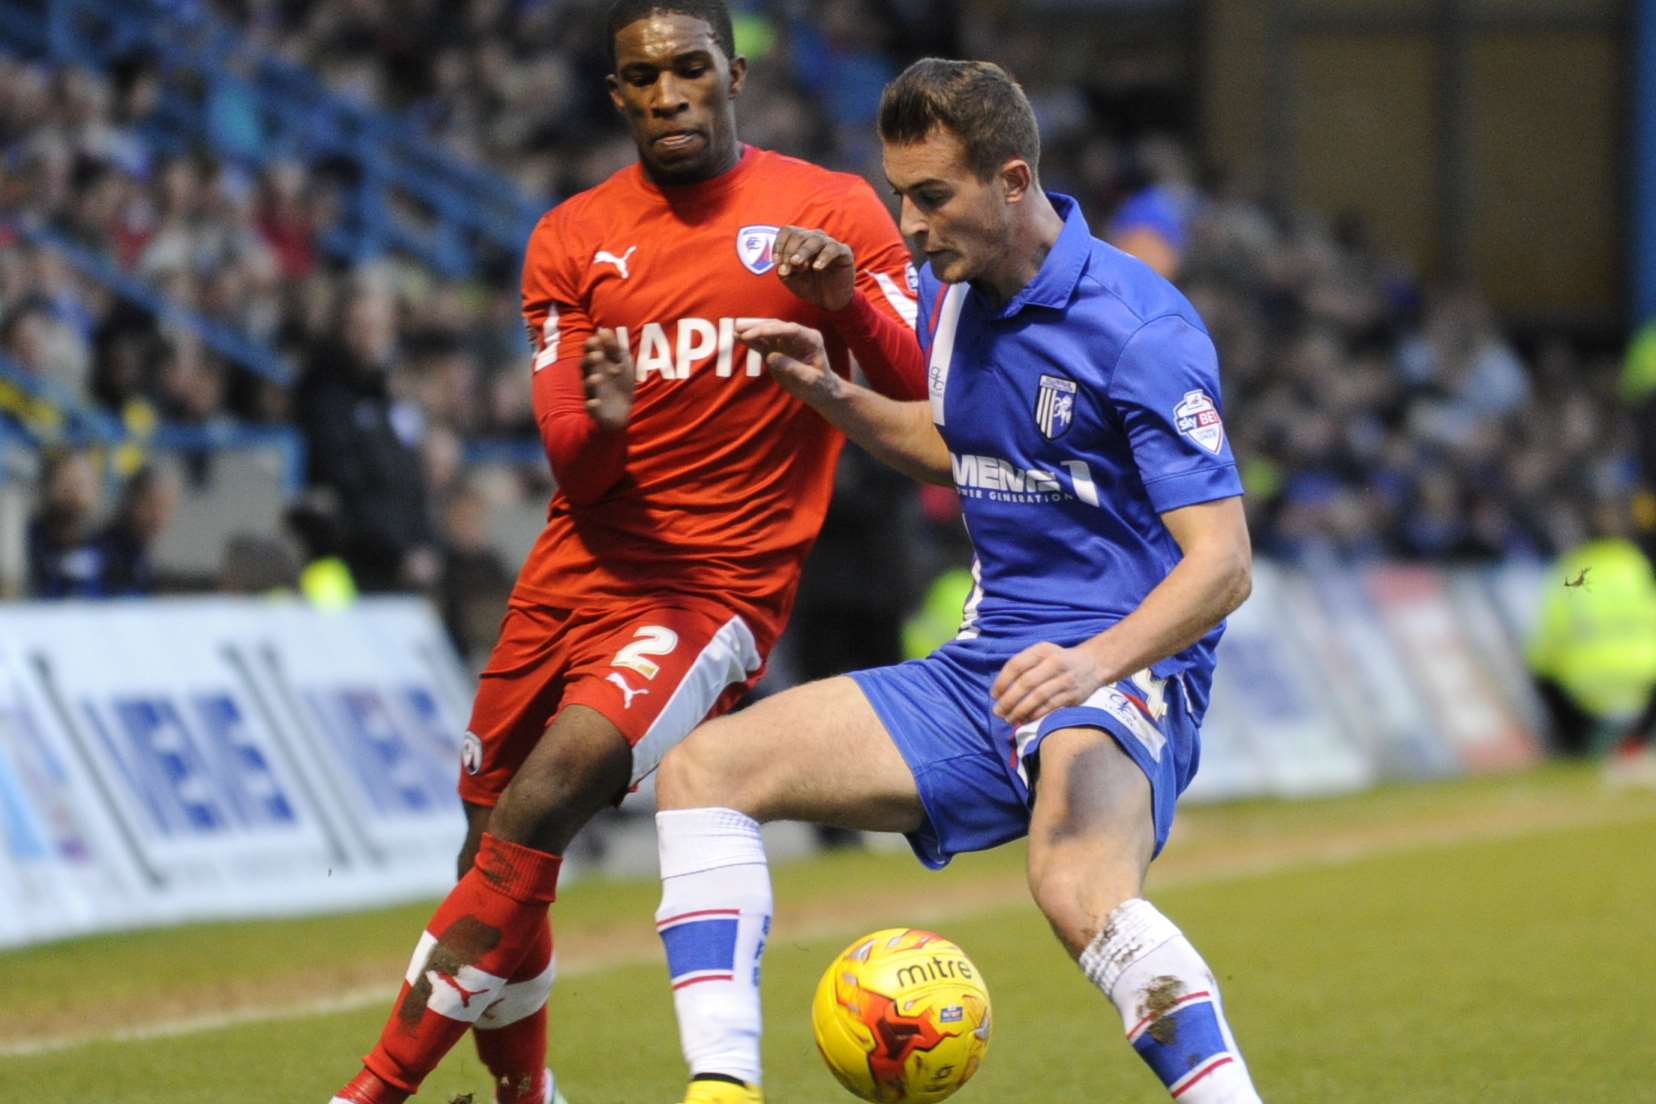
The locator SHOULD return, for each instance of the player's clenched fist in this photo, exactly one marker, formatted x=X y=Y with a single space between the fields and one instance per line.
x=607 y=374
x=796 y=357
x=1041 y=678
x=815 y=267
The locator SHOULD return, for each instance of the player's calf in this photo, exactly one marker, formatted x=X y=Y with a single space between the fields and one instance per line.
x=510 y=1035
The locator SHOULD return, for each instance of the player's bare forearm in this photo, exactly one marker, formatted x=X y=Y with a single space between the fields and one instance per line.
x=899 y=433
x=1212 y=579
x=1205 y=587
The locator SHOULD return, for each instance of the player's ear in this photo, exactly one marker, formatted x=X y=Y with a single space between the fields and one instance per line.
x=738 y=75
x=1017 y=178
x=613 y=83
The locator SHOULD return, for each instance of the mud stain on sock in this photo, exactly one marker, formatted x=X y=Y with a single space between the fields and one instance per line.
x=461 y=944
x=1159 y=998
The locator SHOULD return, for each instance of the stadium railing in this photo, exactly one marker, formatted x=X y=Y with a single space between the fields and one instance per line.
x=42 y=414
x=397 y=169
x=227 y=341
x=255 y=469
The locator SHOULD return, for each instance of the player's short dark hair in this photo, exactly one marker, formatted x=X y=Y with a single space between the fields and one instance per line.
x=714 y=13
x=977 y=101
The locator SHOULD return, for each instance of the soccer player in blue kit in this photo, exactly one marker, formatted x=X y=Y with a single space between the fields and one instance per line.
x=1074 y=405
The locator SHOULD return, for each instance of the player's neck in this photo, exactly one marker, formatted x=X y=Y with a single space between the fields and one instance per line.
x=1032 y=237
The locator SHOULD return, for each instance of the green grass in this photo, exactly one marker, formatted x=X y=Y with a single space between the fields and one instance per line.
x=1486 y=940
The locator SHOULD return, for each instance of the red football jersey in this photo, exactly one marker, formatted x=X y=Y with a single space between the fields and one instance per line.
x=719 y=482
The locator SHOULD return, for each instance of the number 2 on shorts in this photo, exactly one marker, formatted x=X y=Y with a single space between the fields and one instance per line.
x=649 y=640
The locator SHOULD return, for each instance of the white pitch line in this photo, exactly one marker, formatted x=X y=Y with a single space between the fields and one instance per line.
x=1335 y=853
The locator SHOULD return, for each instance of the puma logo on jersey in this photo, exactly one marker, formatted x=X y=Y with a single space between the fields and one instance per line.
x=604 y=256
x=626 y=690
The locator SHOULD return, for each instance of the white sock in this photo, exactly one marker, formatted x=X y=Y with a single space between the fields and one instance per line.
x=1169 y=1004
x=714 y=917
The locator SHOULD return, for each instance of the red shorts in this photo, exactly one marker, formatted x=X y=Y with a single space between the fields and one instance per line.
x=654 y=672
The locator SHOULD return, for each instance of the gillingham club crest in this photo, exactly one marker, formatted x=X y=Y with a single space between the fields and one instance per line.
x=1198 y=419
x=1055 y=406
x=756 y=246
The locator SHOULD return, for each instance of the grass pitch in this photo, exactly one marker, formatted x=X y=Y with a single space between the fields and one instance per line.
x=1476 y=940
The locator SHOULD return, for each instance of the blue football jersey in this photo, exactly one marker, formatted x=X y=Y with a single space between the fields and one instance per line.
x=1075 y=415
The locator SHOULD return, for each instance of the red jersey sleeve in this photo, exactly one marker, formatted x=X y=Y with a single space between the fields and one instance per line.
x=586 y=460
x=878 y=326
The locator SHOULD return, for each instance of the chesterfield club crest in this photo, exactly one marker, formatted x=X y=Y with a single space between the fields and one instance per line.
x=1198 y=419
x=1054 y=406
x=756 y=246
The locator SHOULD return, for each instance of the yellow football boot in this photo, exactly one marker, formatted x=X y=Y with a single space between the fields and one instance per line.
x=723 y=1092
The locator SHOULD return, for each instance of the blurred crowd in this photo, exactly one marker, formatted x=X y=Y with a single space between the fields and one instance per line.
x=1374 y=415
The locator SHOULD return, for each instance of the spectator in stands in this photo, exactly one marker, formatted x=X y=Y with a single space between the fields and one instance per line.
x=1153 y=223
x=62 y=553
x=312 y=529
x=289 y=217
x=36 y=340
x=364 y=444
x=475 y=581
x=255 y=564
x=844 y=619
x=1373 y=419
x=148 y=502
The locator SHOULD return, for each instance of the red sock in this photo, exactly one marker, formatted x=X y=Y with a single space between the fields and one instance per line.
x=478 y=937
x=511 y=1036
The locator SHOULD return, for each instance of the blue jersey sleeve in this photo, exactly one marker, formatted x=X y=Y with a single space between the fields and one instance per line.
x=1165 y=390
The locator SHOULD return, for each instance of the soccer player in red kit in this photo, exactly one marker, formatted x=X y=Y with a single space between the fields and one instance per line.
x=690 y=489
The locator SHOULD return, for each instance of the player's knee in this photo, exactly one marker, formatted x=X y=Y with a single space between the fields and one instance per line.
x=1076 y=902
x=687 y=778
x=695 y=775
x=567 y=779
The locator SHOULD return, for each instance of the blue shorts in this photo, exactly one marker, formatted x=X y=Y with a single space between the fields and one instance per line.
x=973 y=770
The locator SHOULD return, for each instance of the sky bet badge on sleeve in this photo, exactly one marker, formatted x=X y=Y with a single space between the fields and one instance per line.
x=756 y=245
x=1198 y=419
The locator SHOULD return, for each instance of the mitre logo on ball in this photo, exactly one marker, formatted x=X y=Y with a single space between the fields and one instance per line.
x=756 y=246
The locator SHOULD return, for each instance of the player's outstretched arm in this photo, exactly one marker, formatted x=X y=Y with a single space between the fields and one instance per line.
x=1206 y=585
x=900 y=433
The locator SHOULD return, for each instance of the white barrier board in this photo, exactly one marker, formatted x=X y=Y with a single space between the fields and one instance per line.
x=188 y=759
